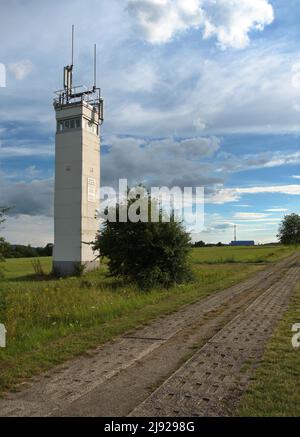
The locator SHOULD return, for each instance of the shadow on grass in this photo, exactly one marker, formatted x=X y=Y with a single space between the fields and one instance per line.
x=31 y=277
x=231 y=261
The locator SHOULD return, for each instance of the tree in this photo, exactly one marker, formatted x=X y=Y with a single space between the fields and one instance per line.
x=199 y=244
x=146 y=252
x=289 y=229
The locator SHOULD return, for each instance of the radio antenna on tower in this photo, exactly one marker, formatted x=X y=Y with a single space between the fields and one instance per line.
x=95 y=66
x=73 y=30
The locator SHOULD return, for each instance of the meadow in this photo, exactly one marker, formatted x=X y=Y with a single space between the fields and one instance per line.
x=50 y=320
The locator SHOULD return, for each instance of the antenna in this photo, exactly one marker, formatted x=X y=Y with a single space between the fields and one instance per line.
x=74 y=95
x=95 y=66
x=73 y=31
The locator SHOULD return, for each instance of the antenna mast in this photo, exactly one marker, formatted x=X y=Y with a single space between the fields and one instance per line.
x=73 y=28
x=71 y=95
x=68 y=72
x=95 y=66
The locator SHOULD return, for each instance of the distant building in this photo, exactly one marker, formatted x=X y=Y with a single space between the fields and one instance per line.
x=242 y=243
x=238 y=243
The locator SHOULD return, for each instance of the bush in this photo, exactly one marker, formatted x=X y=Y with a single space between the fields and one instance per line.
x=147 y=253
x=38 y=268
x=289 y=230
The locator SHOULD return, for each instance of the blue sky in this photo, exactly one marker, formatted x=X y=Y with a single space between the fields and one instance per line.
x=197 y=93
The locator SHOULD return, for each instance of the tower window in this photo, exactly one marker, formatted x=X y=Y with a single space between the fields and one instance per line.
x=74 y=123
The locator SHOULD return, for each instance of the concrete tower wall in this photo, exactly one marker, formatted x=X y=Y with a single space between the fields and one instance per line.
x=77 y=182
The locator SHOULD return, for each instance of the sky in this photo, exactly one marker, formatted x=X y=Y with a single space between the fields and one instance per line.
x=197 y=93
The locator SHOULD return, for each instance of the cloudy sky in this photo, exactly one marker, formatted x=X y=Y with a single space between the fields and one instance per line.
x=197 y=93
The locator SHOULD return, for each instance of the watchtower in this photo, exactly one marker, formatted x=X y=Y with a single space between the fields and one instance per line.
x=79 y=115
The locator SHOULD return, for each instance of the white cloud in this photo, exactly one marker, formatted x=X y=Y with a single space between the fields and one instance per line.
x=296 y=176
x=244 y=92
x=139 y=77
x=160 y=20
x=14 y=151
x=233 y=163
x=21 y=69
x=261 y=220
x=250 y=216
x=34 y=198
x=296 y=75
x=230 y=21
x=293 y=190
x=225 y=195
x=277 y=210
x=166 y=161
x=2 y=76
x=26 y=229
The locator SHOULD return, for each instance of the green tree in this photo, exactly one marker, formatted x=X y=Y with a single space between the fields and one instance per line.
x=199 y=244
x=146 y=252
x=289 y=229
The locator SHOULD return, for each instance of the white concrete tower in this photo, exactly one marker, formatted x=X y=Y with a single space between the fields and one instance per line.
x=79 y=115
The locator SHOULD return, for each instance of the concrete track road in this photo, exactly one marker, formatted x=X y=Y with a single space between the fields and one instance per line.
x=195 y=362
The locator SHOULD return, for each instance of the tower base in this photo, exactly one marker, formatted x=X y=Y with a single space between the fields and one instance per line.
x=72 y=268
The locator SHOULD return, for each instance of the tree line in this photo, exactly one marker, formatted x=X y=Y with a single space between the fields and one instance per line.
x=22 y=251
x=8 y=250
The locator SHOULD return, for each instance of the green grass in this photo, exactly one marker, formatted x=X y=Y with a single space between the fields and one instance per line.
x=50 y=320
x=258 y=254
x=275 y=391
x=21 y=268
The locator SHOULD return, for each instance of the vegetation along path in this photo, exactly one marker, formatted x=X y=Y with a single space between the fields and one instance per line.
x=197 y=361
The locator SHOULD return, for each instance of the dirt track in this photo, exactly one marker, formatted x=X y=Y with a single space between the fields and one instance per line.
x=197 y=361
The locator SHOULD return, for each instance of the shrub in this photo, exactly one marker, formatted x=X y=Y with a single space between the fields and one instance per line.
x=148 y=253
x=37 y=267
x=289 y=230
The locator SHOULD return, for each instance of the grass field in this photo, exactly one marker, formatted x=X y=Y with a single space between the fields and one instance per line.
x=275 y=391
x=259 y=254
x=51 y=320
